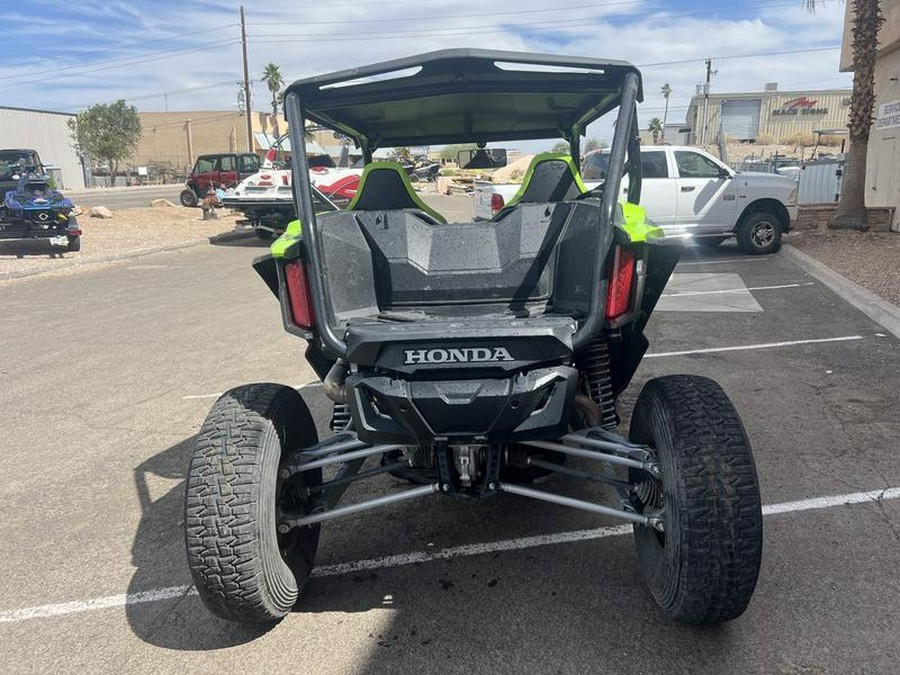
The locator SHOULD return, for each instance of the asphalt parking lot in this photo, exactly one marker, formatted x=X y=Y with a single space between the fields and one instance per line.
x=106 y=376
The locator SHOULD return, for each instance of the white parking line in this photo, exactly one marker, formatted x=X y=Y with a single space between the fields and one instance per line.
x=764 y=345
x=736 y=290
x=156 y=595
x=191 y=397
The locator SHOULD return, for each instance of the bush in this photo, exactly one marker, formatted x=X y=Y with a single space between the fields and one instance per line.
x=765 y=139
x=449 y=172
x=800 y=139
x=832 y=140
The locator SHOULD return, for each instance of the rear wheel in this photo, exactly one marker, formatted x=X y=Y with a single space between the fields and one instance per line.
x=703 y=568
x=189 y=198
x=760 y=233
x=74 y=244
x=244 y=570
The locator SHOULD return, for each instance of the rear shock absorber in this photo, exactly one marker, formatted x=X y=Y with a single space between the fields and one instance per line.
x=594 y=364
x=340 y=418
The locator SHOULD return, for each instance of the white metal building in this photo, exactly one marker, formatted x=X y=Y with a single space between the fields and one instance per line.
x=779 y=114
x=47 y=133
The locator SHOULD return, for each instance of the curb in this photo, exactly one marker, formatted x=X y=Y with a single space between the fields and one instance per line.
x=139 y=253
x=876 y=308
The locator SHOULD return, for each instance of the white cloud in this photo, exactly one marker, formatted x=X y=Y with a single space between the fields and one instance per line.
x=330 y=36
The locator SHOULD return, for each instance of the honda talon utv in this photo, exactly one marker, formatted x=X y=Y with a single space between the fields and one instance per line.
x=472 y=358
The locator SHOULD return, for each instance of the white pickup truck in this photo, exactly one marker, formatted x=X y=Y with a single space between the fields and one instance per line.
x=688 y=192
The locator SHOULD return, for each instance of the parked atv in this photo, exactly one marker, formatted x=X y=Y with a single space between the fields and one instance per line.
x=35 y=210
x=473 y=358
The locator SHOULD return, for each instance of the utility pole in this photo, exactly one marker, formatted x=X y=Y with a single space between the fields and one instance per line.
x=709 y=73
x=246 y=82
x=190 y=143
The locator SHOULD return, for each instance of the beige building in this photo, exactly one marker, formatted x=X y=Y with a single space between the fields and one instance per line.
x=175 y=139
x=776 y=114
x=882 y=174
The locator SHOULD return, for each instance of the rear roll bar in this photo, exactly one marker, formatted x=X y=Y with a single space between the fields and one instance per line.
x=303 y=200
x=624 y=141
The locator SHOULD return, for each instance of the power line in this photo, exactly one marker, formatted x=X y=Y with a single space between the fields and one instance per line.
x=117 y=48
x=471 y=29
x=738 y=56
x=84 y=70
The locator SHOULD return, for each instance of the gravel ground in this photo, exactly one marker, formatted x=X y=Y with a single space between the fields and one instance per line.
x=870 y=259
x=129 y=230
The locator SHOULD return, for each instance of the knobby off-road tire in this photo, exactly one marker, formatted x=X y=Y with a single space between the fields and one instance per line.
x=189 y=198
x=703 y=569
x=243 y=569
x=760 y=233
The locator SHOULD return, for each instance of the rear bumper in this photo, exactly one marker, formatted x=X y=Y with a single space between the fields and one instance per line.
x=531 y=406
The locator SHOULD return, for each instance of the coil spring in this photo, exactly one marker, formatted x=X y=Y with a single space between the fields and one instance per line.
x=340 y=418
x=594 y=364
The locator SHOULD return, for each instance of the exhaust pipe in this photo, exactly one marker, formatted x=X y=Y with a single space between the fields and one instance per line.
x=333 y=384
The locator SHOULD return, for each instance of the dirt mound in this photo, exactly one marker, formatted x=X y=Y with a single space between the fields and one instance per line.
x=515 y=172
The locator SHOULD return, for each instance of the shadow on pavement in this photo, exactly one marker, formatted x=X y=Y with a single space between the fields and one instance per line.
x=19 y=248
x=158 y=554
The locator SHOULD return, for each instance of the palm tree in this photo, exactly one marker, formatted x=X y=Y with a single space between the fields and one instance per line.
x=666 y=91
x=655 y=128
x=274 y=81
x=866 y=21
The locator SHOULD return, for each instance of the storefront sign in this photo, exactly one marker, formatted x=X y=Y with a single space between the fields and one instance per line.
x=888 y=115
x=800 y=106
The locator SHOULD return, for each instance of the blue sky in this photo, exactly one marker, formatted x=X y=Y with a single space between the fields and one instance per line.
x=66 y=55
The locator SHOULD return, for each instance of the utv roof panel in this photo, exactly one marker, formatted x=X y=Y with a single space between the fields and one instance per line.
x=464 y=95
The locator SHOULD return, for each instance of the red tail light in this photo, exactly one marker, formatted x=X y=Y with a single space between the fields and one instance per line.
x=497 y=202
x=298 y=294
x=618 y=298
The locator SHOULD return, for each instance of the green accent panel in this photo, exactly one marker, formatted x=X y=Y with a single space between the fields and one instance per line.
x=292 y=235
x=393 y=166
x=636 y=224
x=546 y=157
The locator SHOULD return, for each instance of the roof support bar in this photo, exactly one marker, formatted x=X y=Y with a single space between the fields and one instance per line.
x=303 y=201
x=624 y=122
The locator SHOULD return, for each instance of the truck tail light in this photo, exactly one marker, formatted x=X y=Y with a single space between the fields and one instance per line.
x=621 y=278
x=298 y=294
x=497 y=202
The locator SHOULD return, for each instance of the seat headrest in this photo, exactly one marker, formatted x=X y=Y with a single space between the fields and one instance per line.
x=551 y=177
x=385 y=186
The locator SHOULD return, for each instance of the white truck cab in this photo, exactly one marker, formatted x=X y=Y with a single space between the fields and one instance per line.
x=688 y=192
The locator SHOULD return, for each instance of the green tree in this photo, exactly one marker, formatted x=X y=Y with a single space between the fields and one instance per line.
x=865 y=23
x=273 y=79
x=666 y=91
x=107 y=131
x=593 y=144
x=655 y=128
x=562 y=146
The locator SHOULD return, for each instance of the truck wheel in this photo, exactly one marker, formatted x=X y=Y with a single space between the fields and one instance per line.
x=760 y=233
x=242 y=567
x=189 y=198
x=265 y=235
x=702 y=569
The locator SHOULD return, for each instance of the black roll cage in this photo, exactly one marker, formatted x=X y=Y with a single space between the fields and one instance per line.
x=626 y=142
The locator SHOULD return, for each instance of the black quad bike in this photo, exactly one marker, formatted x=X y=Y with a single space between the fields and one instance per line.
x=472 y=358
